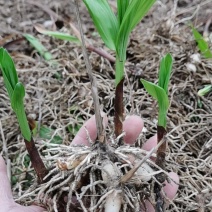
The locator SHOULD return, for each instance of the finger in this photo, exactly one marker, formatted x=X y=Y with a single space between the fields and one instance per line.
x=171 y=188
x=132 y=126
x=5 y=188
x=34 y=208
x=90 y=125
x=151 y=143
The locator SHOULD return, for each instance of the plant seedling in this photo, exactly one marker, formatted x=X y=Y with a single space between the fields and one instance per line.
x=202 y=44
x=16 y=92
x=58 y=35
x=160 y=93
x=206 y=52
x=103 y=176
x=205 y=90
x=115 y=31
x=38 y=46
x=67 y=37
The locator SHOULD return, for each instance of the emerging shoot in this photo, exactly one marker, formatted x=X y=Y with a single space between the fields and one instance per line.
x=115 y=31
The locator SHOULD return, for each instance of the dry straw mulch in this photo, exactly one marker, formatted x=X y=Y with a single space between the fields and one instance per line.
x=66 y=101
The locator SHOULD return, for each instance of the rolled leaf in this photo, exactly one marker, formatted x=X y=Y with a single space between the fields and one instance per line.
x=18 y=107
x=165 y=72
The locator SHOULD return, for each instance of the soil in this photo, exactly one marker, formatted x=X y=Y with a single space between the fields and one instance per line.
x=58 y=92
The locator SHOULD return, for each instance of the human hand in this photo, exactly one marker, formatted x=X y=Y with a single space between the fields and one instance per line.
x=7 y=203
x=132 y=126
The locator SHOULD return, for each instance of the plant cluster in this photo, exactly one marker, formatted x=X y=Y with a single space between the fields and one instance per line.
x=102 y=176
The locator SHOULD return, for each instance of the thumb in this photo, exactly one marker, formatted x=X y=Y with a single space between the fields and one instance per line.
x=5 y=188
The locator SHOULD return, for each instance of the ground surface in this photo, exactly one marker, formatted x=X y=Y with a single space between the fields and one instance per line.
x=58 y=92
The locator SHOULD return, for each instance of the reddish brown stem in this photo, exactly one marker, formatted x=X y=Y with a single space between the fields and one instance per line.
x=119 y=110
x=36 y=160
x=102 y=53
x=161 y=152
x=161 y=177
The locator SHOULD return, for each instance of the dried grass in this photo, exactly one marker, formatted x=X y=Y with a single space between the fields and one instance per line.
x=49 y=99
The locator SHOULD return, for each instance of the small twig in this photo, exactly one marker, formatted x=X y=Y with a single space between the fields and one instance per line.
x=131 y=173
x=99 y=119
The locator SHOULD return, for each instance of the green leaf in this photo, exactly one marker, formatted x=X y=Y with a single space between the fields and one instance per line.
x=165 y=72
x=104 y=20
x=121 y=7
x=202 y=44
x=160 y=95
x=38 y=46
x=18 y=107
x=9 y=71
x=136 y=10
x=47 y=133
x=205 y=90
x=59 y=35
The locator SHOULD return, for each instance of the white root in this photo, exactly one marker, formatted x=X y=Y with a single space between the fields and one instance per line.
x=144 y=172
x=111 y=175
x=113 y=201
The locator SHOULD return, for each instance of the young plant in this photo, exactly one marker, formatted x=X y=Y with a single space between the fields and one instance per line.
x=205 y=90
x=206 y=52
x=115 y=31
x=160 y=93
x=16 y=92
x=38 y=46
x=202 y=44
x=77 y=39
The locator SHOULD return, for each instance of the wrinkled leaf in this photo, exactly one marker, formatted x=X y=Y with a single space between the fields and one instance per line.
x=202 y=44
x=104 y=20
x=18 y=107
x=38 y=46
x=59 y=35
x=165 y=72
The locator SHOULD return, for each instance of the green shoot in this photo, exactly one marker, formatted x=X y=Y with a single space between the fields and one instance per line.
x=105 y=21
x=58 y=35
x=205 y=90
x=115 y=31
x=160 y=91
x=15 y=91
x=202 y=44
x=38 y=46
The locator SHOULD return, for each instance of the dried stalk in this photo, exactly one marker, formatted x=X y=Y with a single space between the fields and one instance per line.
x=99 y=120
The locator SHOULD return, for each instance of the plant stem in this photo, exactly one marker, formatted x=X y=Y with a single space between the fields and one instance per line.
x=36 y=160
x=161 y=152
x=119 y=108
x=94 y=90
